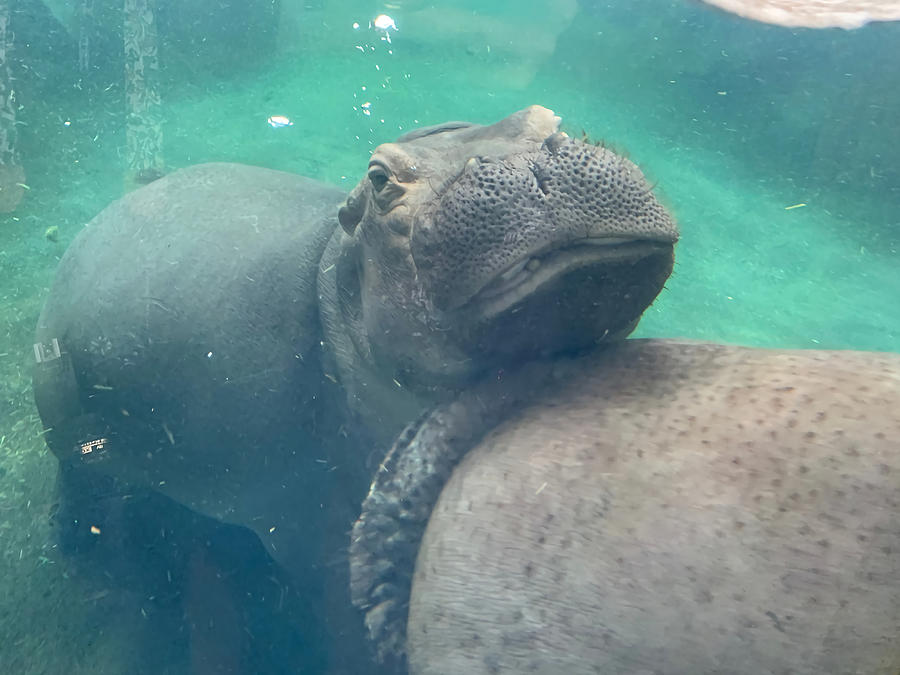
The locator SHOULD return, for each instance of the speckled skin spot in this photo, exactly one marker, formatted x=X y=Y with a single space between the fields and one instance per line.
x=705 y=509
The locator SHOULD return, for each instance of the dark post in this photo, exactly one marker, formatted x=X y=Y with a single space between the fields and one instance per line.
x=12 y=175
x=143 y=133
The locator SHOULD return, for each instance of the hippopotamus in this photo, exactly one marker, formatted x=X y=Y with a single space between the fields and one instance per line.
x=660 y=506
x=240 y=339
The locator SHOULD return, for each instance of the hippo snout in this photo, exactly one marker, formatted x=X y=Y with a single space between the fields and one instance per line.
x=501 y=214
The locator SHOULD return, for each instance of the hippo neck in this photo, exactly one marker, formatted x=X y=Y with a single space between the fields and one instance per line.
x=381 y=405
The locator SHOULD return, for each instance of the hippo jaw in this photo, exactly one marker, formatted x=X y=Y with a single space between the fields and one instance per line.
x=532 y=272
x=472 y=247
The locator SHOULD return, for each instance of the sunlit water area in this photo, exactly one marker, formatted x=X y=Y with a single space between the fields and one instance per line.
x=773 y=147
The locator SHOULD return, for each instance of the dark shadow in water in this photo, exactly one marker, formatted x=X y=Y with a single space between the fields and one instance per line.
x=215 y=601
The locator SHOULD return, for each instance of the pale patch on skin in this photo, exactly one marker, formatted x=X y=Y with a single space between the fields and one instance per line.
x=813 y=13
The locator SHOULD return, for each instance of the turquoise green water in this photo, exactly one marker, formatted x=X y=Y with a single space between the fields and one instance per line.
x=734 y=121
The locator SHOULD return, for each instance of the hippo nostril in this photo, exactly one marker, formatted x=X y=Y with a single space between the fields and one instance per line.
x=554 y=142
x=477 y=160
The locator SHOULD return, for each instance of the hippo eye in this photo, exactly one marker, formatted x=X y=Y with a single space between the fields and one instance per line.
x=378 y=178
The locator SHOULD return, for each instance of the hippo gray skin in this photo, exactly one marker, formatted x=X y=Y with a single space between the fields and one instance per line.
x=240 y=339
x=660 y=507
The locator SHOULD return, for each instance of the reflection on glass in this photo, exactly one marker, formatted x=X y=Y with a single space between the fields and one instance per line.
x=315 y=319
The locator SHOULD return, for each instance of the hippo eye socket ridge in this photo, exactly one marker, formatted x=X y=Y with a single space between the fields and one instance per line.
x=378 y=178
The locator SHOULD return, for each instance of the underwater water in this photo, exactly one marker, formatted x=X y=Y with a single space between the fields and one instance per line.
x=774 y=148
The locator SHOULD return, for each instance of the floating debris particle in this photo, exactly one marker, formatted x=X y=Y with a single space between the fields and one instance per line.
x=384 y=22
x=279 y=121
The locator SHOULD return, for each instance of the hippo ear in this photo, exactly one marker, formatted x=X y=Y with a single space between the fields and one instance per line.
x=352 y=210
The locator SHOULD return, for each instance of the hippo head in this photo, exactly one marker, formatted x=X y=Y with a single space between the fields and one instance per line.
x=471 y=247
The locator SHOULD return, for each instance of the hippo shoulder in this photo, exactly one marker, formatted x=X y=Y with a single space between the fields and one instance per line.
x=505 y=490
x=209 y=237
x=182 y=227
x=185 y=287
x=668 y=494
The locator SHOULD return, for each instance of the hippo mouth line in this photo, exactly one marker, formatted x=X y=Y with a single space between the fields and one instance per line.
x=533 y=271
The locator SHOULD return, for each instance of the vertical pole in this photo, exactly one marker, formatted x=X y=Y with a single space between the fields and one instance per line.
x=143 y=132
x=85 y=26
x=12 y=175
